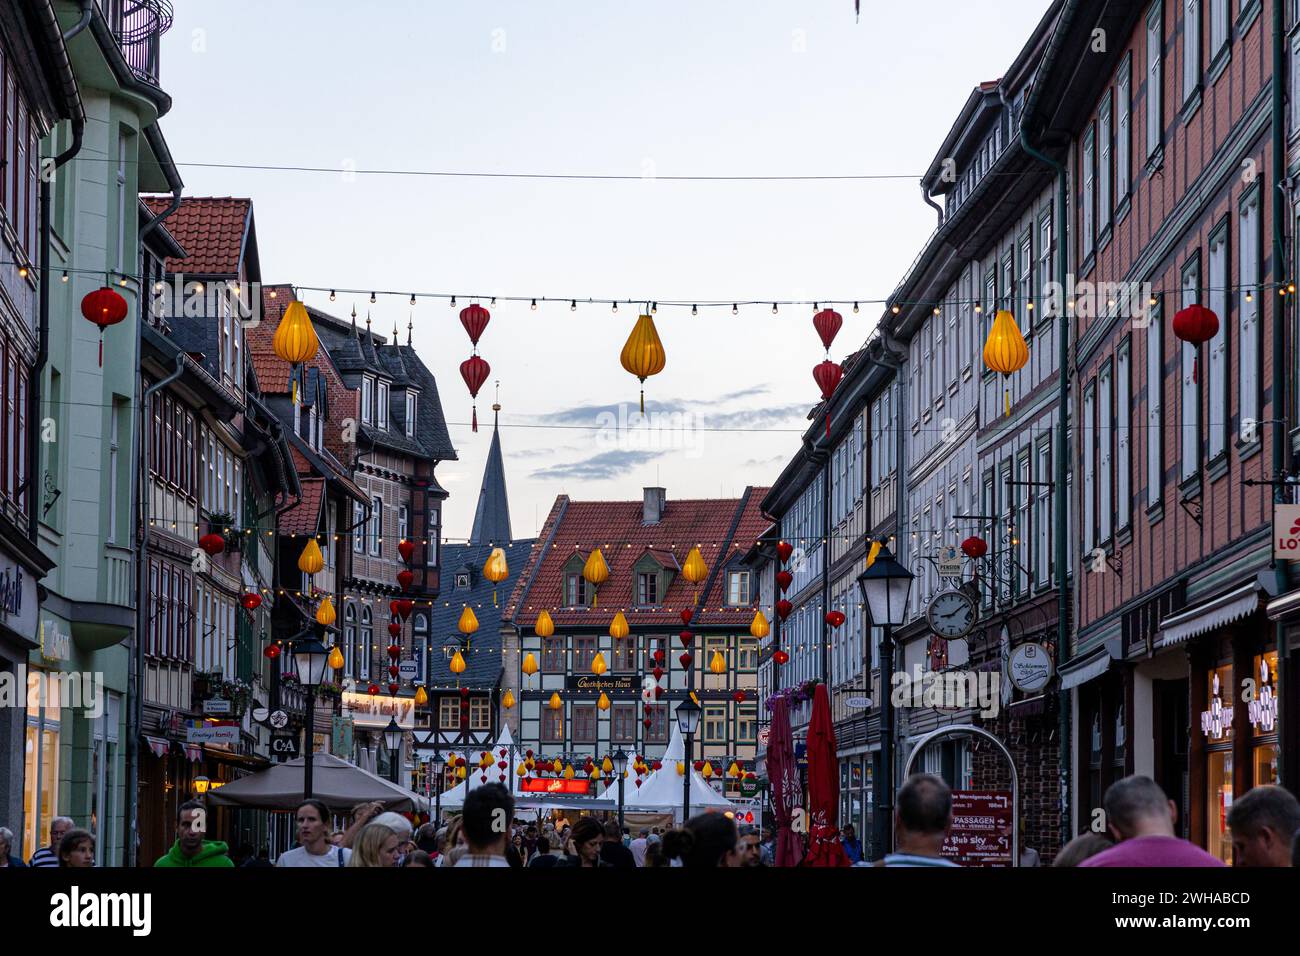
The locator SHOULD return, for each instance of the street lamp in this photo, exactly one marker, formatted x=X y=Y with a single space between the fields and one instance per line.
x=688 y=721
x=886 y=586
x=620 y=768
x=312 y=658
x=436 y=764
x=393 y=741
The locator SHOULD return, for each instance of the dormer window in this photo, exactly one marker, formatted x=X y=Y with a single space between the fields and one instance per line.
x=575 y=589
x=381 y=403
x=647 y=588
x=738 y=588
x=462 y=580
x=412 y=403
x=367 y=400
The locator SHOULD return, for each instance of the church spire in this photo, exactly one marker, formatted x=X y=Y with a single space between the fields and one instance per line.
x=492 y=516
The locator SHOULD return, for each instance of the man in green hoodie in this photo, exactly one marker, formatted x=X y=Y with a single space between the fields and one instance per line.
x=190 y=849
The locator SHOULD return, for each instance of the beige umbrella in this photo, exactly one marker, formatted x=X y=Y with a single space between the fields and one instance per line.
x=338 y=784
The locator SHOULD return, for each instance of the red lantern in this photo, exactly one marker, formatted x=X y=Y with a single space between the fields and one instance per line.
x=404 y=579
x=406 y=549
x=659 y=656
x=392 y=670
x=783 y=580
x=251 y=601
x=404 y=606
x=647 y=723
x=475 y=372
x=394 y=609
x=685 y=659
x=783 y=551
x=1196 y=325
x=739 y=696
x=827 y=374
x=104 y=307
x=272 y=651
x=464 y=694
x=392 y=688
x=394 y=629
x=827 y=322
x=213 y=544
x=834 y=618
x=974 y=547
x=475 y=319
x=658 y=672
x=394 y=650
x=659 y=692
x=781 y=657
x=656 y=765
x=686 y=637
x=698 y=765
x=373 y=689
x=686 y=615
x=783 y=608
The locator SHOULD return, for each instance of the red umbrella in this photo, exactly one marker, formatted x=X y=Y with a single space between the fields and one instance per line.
x=784 y=776
x=824 y=847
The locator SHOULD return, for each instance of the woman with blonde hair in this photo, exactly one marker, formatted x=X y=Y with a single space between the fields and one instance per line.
x=376 y=846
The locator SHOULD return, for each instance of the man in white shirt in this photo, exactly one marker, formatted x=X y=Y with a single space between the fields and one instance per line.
x=485 y=824
x=313 y=837
x=638 y=847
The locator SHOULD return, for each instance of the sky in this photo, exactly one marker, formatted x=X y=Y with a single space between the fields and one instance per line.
x=674 y=88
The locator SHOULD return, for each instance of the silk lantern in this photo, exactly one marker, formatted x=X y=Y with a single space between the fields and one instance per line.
x=618 y=628
x=251 y=601
x=543 y=626
x=603 y=703
x=325 y=615
x=595 y=572
x=718 y=663
x=555 y=704
x=295 y=341
x=475 y=319
x=104 y=307
x=643 y=354
x=529 y=666
x=695 y=570
x=496 y=570
x=827 y=322
x=421 y=696
x=759 y=627
x=1196 y=325
x=468 y=623
x=827 y=375
x=598 y=666
x=406 y=549
x=1005 y=350
x=974 y=547
x=457 y=665
x=212 y=544
x=508 y=700
x=336 y=659
x=783 y=551
x=474 y=370
x=783 y=608
x=311 y=560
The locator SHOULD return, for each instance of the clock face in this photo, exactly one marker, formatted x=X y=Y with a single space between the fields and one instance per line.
x=952 y=614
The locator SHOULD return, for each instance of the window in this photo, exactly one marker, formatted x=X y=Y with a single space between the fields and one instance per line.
x=746 y=723
x=584 y=723
x=122 y=162
x=553 y=725
x=575 y=590
x=553 y=654
x=715 y=723
x=1045 y=252
x=1220 y=33
x=1218 y=346
x=349 y=639
x=376 y=524
x=367 y=642
x=358 y=527
x=657 y=714
x=1248 y=351
x=623 y=723
x=1103 y=164
x=747 y=654
x=1024 y=307
x=1155 y=77
x=1123 y=429
x=1089 y=439
x=738 y=588
x=403 y=523
x=1155 y=408
x=1191 y=48
x=647 y=588
x=462 y=580
x=480 y=712
x=625 y=654
x=113 y=439
x=381 y=402
x=1123 y=133
x=433 y=546
x=1190 y=439
x=449 y=713
x=1043 y=515
x=1023 y=530
x=367 y=400
x=1089 y=174
x=412 y=403
x=584 y=649
x=1105 y=425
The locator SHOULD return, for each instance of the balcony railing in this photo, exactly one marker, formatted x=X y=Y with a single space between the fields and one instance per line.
x=138 y=26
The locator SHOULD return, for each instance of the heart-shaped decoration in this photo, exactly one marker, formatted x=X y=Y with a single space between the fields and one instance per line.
x=783 y=608
x=502 y=777
x=698 y=765
x=659 y=656
x=404 y=579
x=464 y=694
x=404 y=606
x=394 y=629
x=483 y=779
x=686 y=637
x=394 y=650
x=638 y=781
x=784 y=580
x=658 y=672
x=685 y=659
x=392 y=688
x=656 y=765
x=501 y=765
x=686 y=615
x=783 y=551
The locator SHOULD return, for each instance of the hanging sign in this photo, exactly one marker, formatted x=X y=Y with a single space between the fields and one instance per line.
x=949 y=561
x=1286 y=532
x=1029 y=667
x=579 y=785
x=981 y=828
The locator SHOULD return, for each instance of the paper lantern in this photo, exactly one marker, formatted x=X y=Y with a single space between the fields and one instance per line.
x=406 y=549
x=394 y=651
x=475 y=372
x=394 y=629
x=607 y=765
x=213 y=544
x=311 y=560
x=827 y=322
x=405 y=578
x=784 y=580
x=974 y=547
x=686 y=614
x=1196 y=325
x=595 y=572
x=681 y=768
x=834 y=618
x=874 y=552
x=643 y=354
x=686 y=637
x=718 y=663
x=569 y=772
x=759 y=627
x=827 y=375
x=685 y=660
x=295 y=338
x=404 y=606
x=555 y=704
x=781 y=657
x=522 y=770
x=734 y=769
x=325 y=612
x=543 y=626
x=475 y=319
x=529 y=666
x=783 y=551
x=421 y=696
x=603 y=703
x=496 y=570
x=104 y=307
x=695 y=570
x=272 y=651
x=618 y=628
x=508 y=700
x=251 y=601
x=468 y=623
x=1005 y=350
x=783 y=608
x=392 y=687
x=457 y=665
x=738 y=697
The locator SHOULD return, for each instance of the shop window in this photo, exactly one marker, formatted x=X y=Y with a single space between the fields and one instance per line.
x=1262 y=711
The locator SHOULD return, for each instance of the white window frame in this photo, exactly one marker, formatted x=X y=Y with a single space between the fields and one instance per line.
x=1123 y=436
x=1248 y=330
x=1155 y=77
x=359 y=528
x=1089 y=464
x=1217 y=359
x=376 y=524
x=1104 y=148
x=1220 y=27
x=1155 y=407
x=1191 y=48
x=1105 y=435
x=1189 y=442
x=381 y=405
x=1089 y=176
x=367 y=400
x=412 y=408
x=1123 y=129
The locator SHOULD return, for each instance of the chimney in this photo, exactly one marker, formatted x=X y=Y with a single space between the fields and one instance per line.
x=652 y=507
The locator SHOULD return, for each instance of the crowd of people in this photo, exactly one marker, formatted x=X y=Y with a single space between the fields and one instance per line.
x=1139 y=831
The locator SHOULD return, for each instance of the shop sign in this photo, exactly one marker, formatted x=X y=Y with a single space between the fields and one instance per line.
x=18 y=600
x=375 y=711
x=607 y=682
x=748 y=788
x=949 y=561
x=407 y=670
x=1029 y=667
x=1262 y=710
x=284 y=746
x=578 y=785
x=1286 y=532
x=1216 y=722
x=857 y=703
x=56 y=644
x=341 y=736
x=217 y=705
x=982 y=828
x=220 y=732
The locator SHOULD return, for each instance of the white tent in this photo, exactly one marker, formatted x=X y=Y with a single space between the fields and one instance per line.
x=504 y=751
x=662 y=790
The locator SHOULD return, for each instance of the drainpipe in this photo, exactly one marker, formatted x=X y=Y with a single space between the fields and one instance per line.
x=925 y=194
x=87 y=11
x=135 y=681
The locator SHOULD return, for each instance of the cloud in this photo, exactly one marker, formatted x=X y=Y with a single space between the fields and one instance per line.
x=744 y=393
x=764 y=461
x=608 y=464
x=702 y=414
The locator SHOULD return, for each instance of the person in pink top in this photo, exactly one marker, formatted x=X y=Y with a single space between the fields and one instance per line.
x=1142 y=818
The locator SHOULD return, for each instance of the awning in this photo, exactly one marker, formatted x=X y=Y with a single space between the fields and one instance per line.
x=1091 y=665
x=159 y=745
x=1284 y=606
x=1209 y=615
x=193 y=753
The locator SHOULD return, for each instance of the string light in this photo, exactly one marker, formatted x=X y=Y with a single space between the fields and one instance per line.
x=695 y=310
x=774 y=309
x=331 y=295
x=735 y=309
x=372 y=298
x=573 y=306
x=412 y=298
x=614 y=308
x=534 y=305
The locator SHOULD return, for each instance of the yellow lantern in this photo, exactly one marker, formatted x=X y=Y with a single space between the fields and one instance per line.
x=557 y=766
x=421 y=696
x=707 y=770
x=1005 y=350
x=603 y=703
x=468 y=623
x=568 y=772
x=607 y=765
x=598 y=666
x=507 y=700
x=643 y=354
x=734 y=769
x=460 y=773
x=457 y=664
x=496 y=570
x=595 y=773
x=555 y=704
x=718 y=663
x=530 y=664
x=325 y=612
x=336 y=660
x=522 y=770
x=695 y=570
x=543 y=626
x=595 y=571
x=618 y=628
x=311 y=560
x=295 y=339
x=681 y=768
x=874 y=552
x=759 y=627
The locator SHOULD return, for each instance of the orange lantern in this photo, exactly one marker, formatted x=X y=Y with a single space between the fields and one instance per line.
x=643 y=354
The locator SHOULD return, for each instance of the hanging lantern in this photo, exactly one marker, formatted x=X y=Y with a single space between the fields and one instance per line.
x=508 y=700
x=543 y=626
x=686 y=637
x=311 y=560
x=1196 y=325
x=421 y=696
x=557 y=766
x=457 y=665
x=974 y=547
x=272 y=651
x=695 y=570
x=595 y=572
x=475 y=372
x=618 y=628
x=104 y=307
x=251 y=601
x=874 y=552
x=468 y=623
x=603 y=703
x=406 y=549
x=475 y=319
x=325 y=612
x=783 y=608
x=555 y=704
x=394 y=629
x=733 y=770
x=738 y=697
x=718 y=663
x=404 y=579
x=759 y=627
x=372 y=690
x=522 y=770
x=827 y=322
x=783 y=551
x=213 y=544
x=295 y=340
x=394 y=651
x=404 y=606
x=834 y=618
x=336 y=660
x=783 y=580
x=707 y=770
x=685 y=660
x=607 y=765
x=643 y=354
x=569 y=772
x=496 y=570
x=393 y=687
x=827 y=375
x=781 y=657
x=529 y=666
x=1005 y=350
x=598 y=666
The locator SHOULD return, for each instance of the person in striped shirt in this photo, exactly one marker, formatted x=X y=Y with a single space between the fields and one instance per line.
x=922 y=820
x=48 y=856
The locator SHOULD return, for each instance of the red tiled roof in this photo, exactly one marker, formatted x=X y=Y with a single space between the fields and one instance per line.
x=616 y=528
x=211 y=229
x=272 y=371
x=304 y=517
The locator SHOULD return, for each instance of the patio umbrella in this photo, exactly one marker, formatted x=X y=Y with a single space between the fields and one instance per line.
x=339 y=784
x=824 y=847
x=784 y=777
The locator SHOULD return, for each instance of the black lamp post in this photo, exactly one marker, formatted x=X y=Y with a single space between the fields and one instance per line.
x=688 y=720
x=393 y=741
x=885 y=586
x=620 y=768
x=312 y=658
x=436 y=764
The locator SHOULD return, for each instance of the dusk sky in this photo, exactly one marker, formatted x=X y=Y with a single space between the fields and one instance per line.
x=723 y=88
